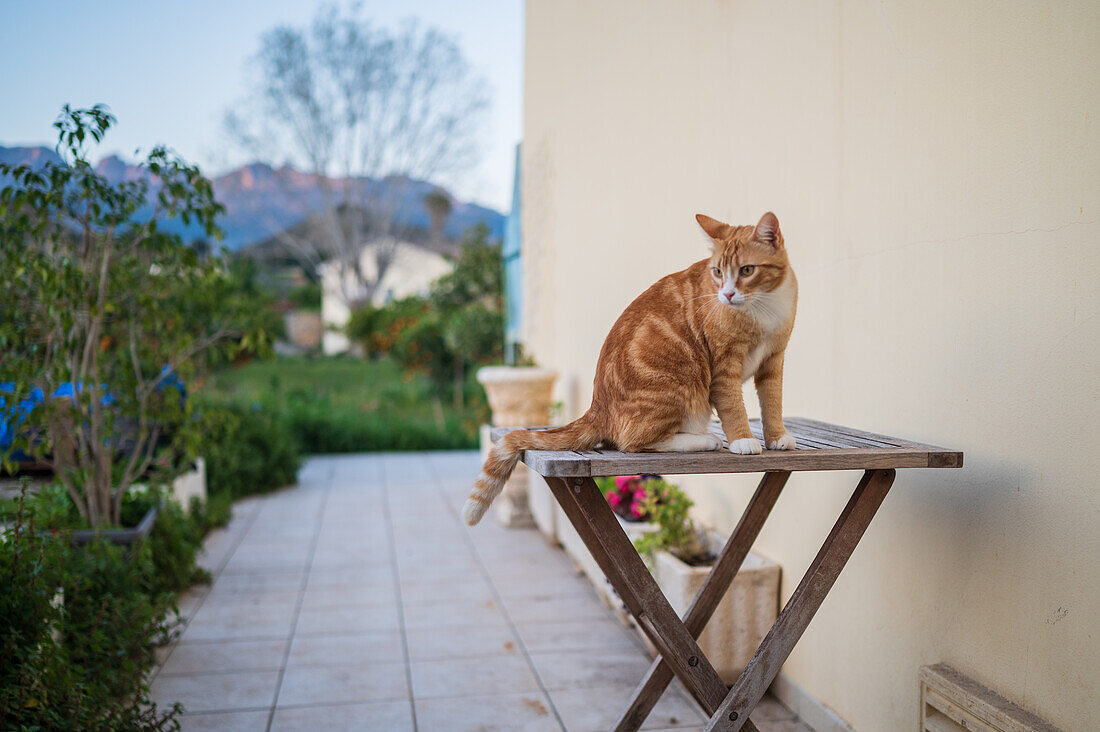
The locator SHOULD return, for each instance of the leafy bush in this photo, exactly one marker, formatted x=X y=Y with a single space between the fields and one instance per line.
x=113 y=615
x=459 y=325
x=306 y=297
x=81 y=663
x=173 y=545
x=247 y=450
x=319 y=429
x=104 y=313
x=333 y=405
x=667 y=506
x=378 y=329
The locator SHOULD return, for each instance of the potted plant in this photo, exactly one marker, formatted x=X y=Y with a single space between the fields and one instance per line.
x=680 y=557
x=521 y=396
x=105 y=315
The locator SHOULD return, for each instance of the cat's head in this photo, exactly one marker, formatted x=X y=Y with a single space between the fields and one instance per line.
x=746 y=261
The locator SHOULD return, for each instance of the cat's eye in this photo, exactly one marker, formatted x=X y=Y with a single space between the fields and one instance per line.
x=747 y=270
x=716 y=271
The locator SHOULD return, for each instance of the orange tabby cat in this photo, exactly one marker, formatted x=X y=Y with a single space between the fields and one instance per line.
x=683 y=346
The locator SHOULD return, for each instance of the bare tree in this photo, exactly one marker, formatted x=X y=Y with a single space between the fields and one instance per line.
x=371 y=113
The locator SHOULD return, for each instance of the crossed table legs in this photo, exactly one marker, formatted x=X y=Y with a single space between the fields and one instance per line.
x=678 y=653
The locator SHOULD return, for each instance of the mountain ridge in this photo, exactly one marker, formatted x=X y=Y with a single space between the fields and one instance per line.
x=262 y=200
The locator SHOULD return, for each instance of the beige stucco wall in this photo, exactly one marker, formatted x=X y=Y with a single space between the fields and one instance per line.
x=935 y=167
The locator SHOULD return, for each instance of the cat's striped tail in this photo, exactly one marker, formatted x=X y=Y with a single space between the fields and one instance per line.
x=580 y=434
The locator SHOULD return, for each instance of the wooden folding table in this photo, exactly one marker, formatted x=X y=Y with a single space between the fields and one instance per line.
x=821 y=446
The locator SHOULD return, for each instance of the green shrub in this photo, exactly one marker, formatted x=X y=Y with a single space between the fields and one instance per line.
x=247 y=450
x=667 y=505
x=321 y=429
x=212 y=513
x=306 y=297
x=174 y=542
x=333 y=405
x=113 y=615
x=378 y=329
x=83 y=663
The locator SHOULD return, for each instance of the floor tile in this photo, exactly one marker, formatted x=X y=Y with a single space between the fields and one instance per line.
x=434 y=593
x=472 y=676
x=373 y=575
x=567 y=583
x=582 y=669
x=217 y=692
x=192 y=658
x=575 y=635
x=225 y=722
x=251 y=601
x=329 y=596
x=453 y=612
x=309 y=575
x=239 y=623
x=596 y=708
x=460 y=641
x=260 y=583
x=346 y=650
x=556 y=608
x=771 y=710
x=528 y=712
x=343 y=684
x=395 y=716
x=343 y=619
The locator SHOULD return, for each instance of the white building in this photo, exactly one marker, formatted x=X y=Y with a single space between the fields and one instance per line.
x=411 y=272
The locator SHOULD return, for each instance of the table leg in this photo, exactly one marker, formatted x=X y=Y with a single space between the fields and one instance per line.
x=710 y=594
x=593 y=519
x=733 y=714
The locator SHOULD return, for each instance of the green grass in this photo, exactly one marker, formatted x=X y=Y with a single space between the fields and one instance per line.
x=351 y=405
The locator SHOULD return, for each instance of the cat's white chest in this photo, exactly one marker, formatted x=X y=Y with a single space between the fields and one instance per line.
x=772 y=314
x=753 y=359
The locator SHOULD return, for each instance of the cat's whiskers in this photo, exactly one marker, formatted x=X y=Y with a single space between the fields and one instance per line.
x=714 y=308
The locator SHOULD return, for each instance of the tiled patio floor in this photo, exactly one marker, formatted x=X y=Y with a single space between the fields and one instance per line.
x=359 y=600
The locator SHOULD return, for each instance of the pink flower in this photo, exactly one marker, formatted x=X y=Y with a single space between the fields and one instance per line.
x=639 y=494
x=614 y=499
x=625 y=481
x=636 y=510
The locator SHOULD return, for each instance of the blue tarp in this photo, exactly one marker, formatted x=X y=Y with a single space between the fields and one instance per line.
x=11 y=416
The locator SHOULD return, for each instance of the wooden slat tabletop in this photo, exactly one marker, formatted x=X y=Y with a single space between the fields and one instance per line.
x=821 y=446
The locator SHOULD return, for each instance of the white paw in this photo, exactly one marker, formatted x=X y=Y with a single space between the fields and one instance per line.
x=715 y=443
x=786 y=442
x=746 y=446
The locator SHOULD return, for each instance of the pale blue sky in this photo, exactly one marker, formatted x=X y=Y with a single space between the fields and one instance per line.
x=170 y=68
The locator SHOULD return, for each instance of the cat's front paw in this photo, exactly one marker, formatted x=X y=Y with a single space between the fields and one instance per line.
x=786 y=442
x=746 y=446
x=715 y=442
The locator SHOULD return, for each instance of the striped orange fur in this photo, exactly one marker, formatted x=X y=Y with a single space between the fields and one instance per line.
x=683 y=348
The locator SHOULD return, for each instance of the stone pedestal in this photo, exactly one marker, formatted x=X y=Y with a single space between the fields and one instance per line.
x=519 y=397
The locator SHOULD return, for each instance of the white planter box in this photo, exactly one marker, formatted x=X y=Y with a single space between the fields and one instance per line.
x=744 y=615
x=191 y=485
x=573 y=545
x=544 y=509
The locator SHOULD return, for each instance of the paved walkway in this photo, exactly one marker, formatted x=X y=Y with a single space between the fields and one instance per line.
x=358 y=600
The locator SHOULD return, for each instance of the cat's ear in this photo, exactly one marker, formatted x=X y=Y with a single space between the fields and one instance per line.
x=767 y=230
x=714 y=228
